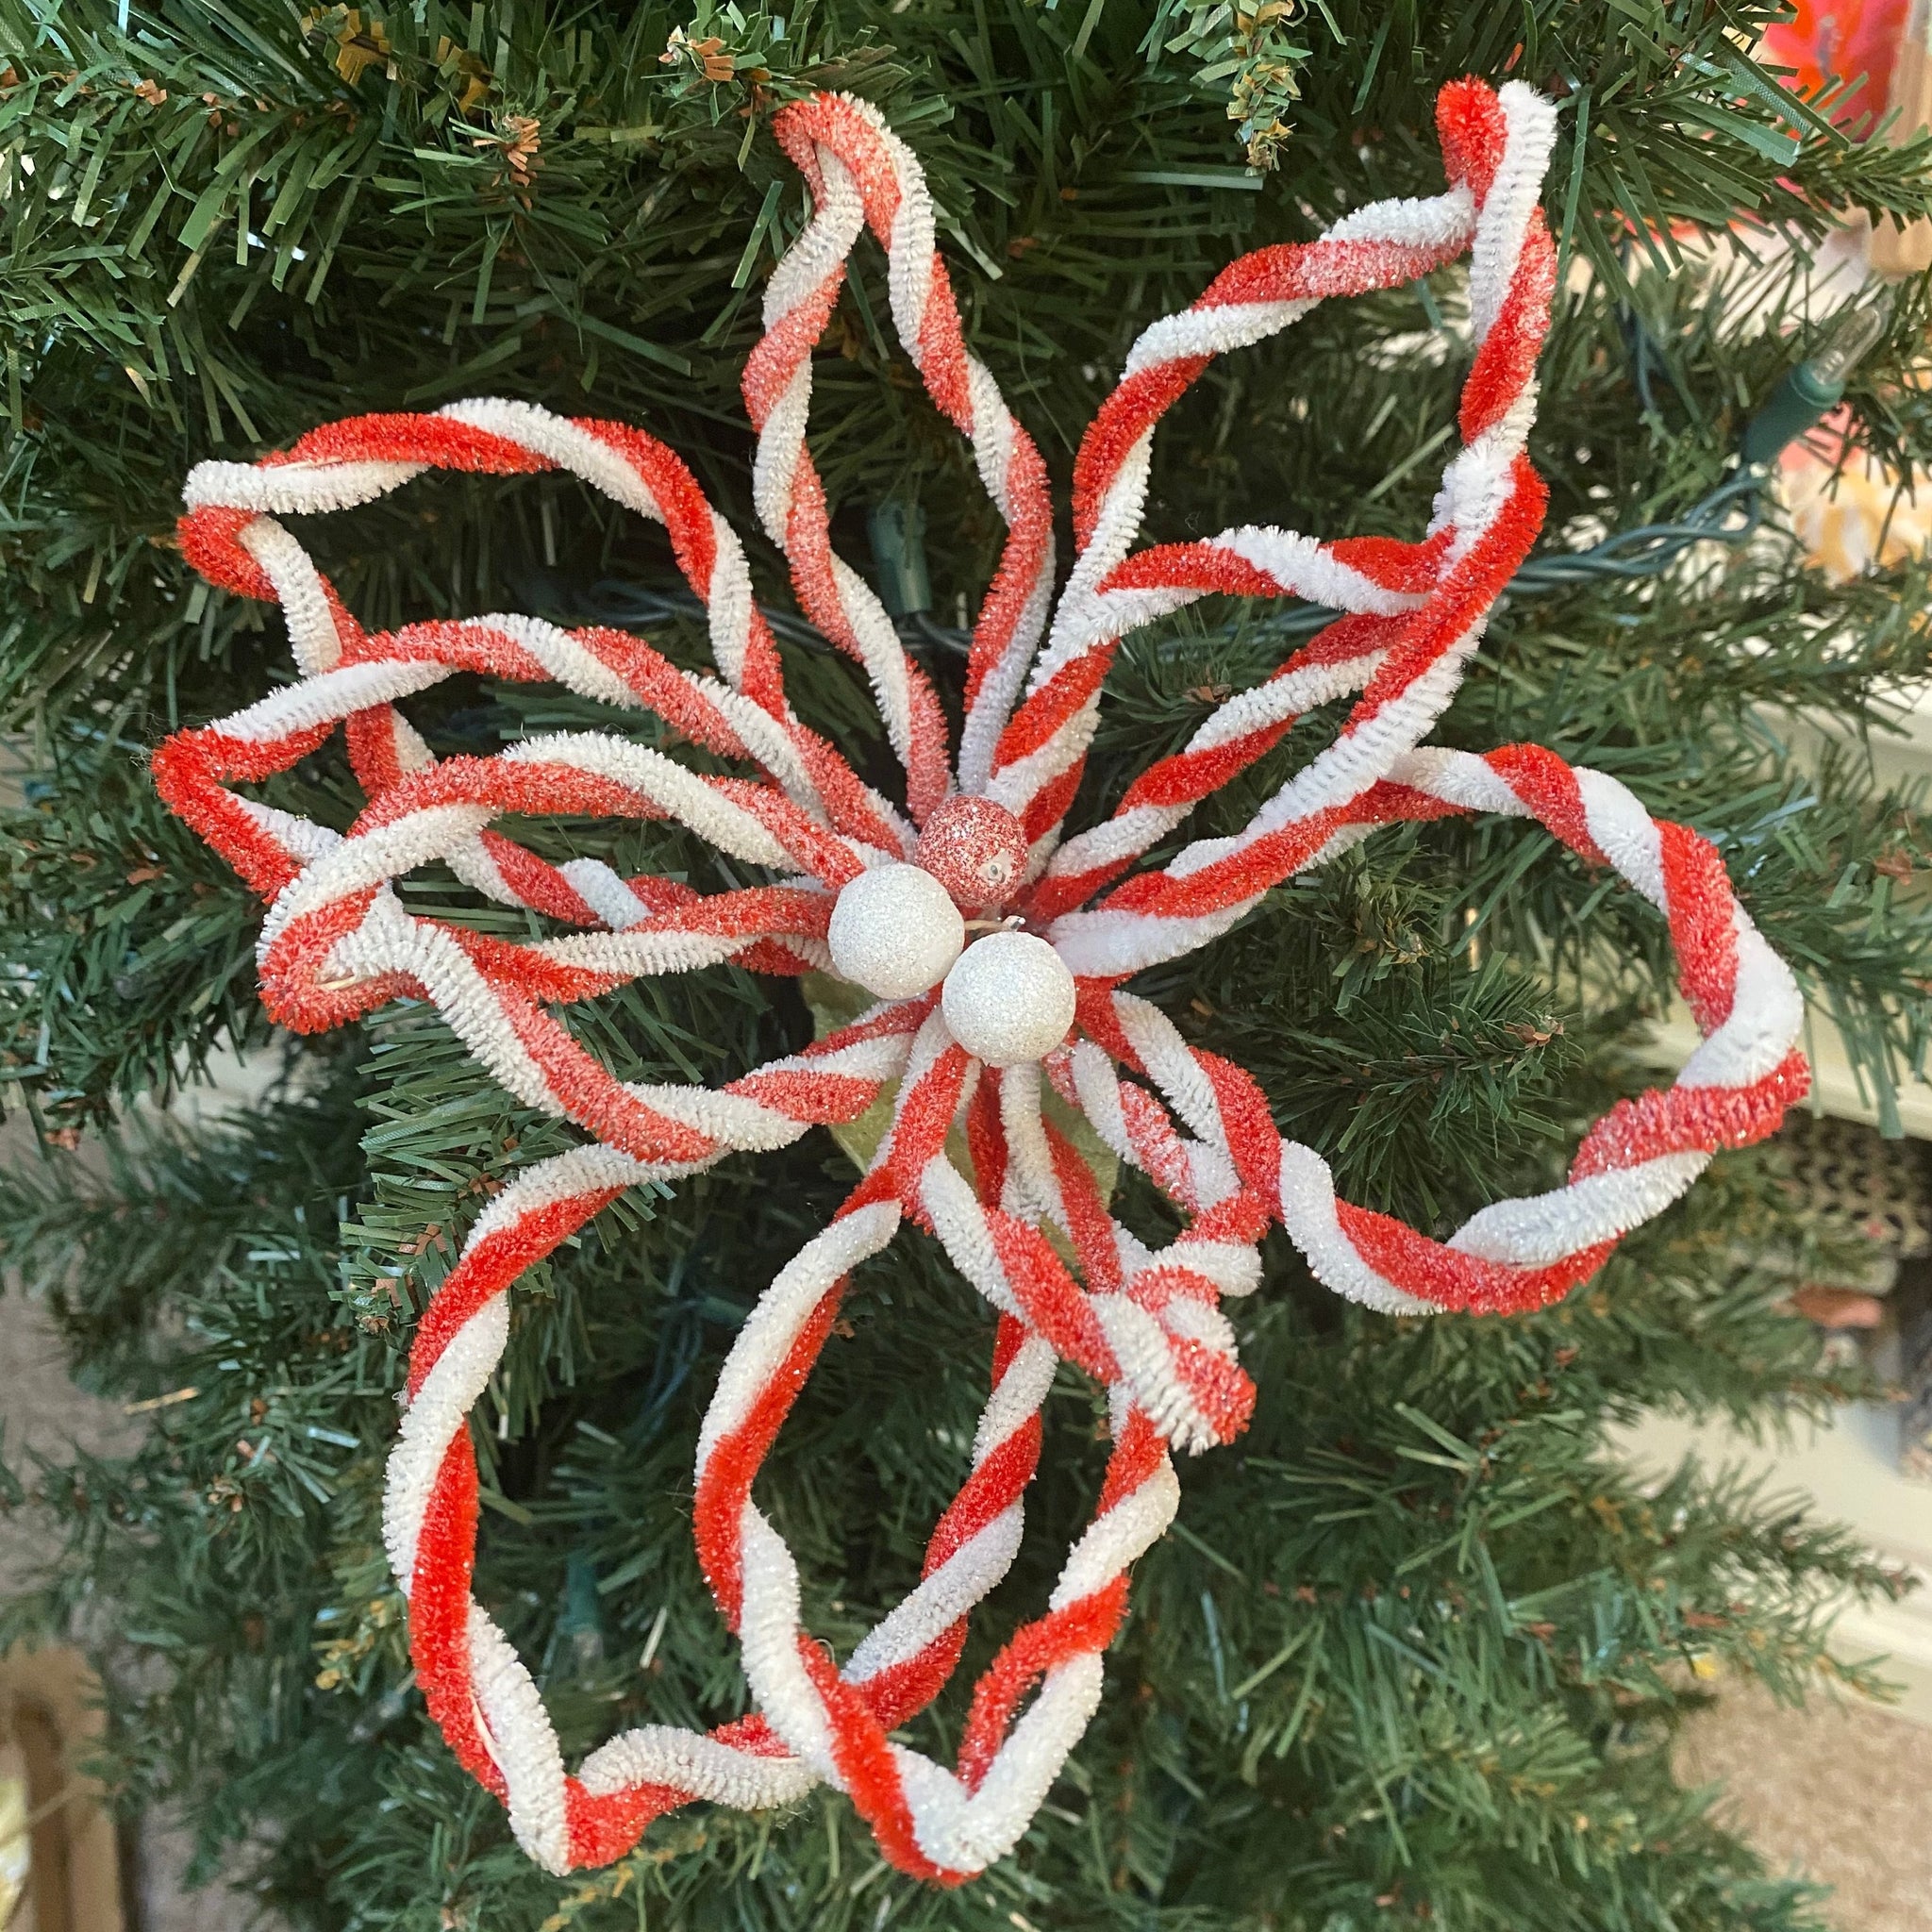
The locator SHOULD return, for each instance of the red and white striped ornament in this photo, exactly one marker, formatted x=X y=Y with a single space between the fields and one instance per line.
x=997 y=948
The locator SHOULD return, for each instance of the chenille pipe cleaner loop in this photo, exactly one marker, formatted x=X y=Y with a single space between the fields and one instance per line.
x=996 y=966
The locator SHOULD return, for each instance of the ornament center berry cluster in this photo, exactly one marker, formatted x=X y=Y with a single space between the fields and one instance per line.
x=899 y=930
x=996 y=945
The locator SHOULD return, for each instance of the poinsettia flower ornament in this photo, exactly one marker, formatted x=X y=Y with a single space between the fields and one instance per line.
x=996 y=948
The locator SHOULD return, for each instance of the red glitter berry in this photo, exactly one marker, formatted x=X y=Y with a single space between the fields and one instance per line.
x=974 y=848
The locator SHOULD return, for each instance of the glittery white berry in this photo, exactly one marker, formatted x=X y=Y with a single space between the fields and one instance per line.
x=1009 y=1000
x=896 y=931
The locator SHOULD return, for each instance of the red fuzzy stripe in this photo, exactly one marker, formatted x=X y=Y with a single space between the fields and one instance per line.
x=1353 y=635
x=991 y=1490
x=439 y=442
x=852 y=808
x=1473 y=132
x=1321 y=270
x=1138 y=402
x=1392 y=563
x=1506 y=361
x=601 y=1826
x=1253 y=1143
x=293 y=993
x=1454 y=1280
x=1153 y=1288
x=1386 y=803
x=1088 y=1225
x=521 y=786
x=941 y=353
x=375 y=756
x=1058 y=892
x=523 y=969
x=1029 y=540
x=585 y=1091
x=210 y=539
x=1205 y=566
x=1159 y=1150
x=664 y=688
x=724 y=1483
x=924 y=1117
x=440 y=1611
x=489 y=1267
x=187 y=770
x=785 y=910
x=898 y=1693
x=1697 y=895
x=802 y=126
x=1465 y=596
x=535 y=883
x=1051 y=803
x=1244 y=874
x=1138 y=1452
x=1084 y=1626
x=904 y=1017
x=675 y=491
x=866 y=1766
x=808 y=547
x=1189 y=776
x=1010 y=1338
x=197 y=759
x=1079 y=1629
x=985 y=1144
x=774 y=360
x=928 y=758
x=694 y=545
x=1549 y=788
x=832 y=1099
x=1221 y=1389
x=827 y=856
x=1682 y=1120
x=1094 y=1010
x=1053 y=1307
x=1242 y=1219
x=1185 y=777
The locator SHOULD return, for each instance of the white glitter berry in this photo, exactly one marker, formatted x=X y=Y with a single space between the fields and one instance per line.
x=896 y=931
x=1009 y=1000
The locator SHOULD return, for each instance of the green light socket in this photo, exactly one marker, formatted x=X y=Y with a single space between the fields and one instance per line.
x=897 y=530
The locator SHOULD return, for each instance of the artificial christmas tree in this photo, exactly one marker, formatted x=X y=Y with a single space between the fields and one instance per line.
x=1406 y=1655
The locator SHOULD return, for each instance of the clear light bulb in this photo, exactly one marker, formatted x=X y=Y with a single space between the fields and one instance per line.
x=1852 y=338
x=1812 y=387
